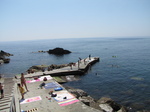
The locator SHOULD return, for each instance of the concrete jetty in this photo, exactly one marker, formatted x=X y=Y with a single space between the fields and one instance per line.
x=38 y=98
x=78 y=68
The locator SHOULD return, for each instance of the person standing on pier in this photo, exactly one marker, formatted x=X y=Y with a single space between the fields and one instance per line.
x=2 y=90
x=89 y=57
x=80 y=59
x=78 y=64
x=85 y=61
x=23 y=81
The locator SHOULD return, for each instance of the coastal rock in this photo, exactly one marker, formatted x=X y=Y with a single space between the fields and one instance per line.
x=78 y=92
x=84 y=97
x=105 y=104
x=6 y=60
x=3 y=53
x=3 y=56
x=42 y=68
x=53 y=66
x=105 y=100
x=58 y=51
x=115 y=106
x=122 y=110
x=106 y=107
x=37 y=68
x=89 y=101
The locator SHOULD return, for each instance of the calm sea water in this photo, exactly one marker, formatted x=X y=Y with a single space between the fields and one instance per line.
x=123 y=72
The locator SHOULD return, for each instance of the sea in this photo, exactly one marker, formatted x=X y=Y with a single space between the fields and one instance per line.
x=123 y=72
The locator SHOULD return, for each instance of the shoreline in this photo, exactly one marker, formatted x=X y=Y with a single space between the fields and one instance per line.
x=103 y=103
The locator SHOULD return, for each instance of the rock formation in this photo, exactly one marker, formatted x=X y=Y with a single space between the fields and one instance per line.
x=58 y=51
x=3 y=56
x=42 y=68
x=105 y=104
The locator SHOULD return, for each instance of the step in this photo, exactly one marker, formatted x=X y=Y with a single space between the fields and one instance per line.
x=4 y=101
x=4 y=108
x=5 y=104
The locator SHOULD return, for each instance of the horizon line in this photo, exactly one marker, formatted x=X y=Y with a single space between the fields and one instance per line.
x=76 y=38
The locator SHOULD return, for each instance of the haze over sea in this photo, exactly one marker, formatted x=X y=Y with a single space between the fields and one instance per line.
x=123 y=72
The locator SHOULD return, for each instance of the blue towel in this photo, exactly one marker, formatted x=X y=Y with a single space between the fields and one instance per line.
x=51 y=85
x=58 y=89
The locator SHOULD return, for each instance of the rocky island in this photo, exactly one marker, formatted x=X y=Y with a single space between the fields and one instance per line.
x=55 y=51
x=58 y=51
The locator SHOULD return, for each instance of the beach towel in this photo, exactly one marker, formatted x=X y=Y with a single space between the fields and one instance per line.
x=48 y=77
x=51 y=85
x=39 y=79
x=31 y=81
x=29 y=100
x=65 y=98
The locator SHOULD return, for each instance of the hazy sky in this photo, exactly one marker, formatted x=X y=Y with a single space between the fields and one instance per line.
x=45 y=19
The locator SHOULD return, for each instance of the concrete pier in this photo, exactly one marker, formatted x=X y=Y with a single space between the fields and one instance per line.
x=12 y=100
x=79 y=68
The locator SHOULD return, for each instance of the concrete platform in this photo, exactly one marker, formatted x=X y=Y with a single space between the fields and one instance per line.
x=52 y=105
x=10 y=103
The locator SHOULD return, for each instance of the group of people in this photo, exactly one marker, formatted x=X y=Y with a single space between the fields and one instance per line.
x=20 y=86
x=79 y=61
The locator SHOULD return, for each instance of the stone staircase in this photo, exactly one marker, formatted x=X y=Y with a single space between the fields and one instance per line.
x=5 y=103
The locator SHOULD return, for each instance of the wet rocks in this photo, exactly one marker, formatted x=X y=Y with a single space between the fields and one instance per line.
x=108 y=104
x=105 y=104
x=106 y=107
x=53 y=66
x=3 y=56
x=37 y=68
x=78 y=92
x=58 y=51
